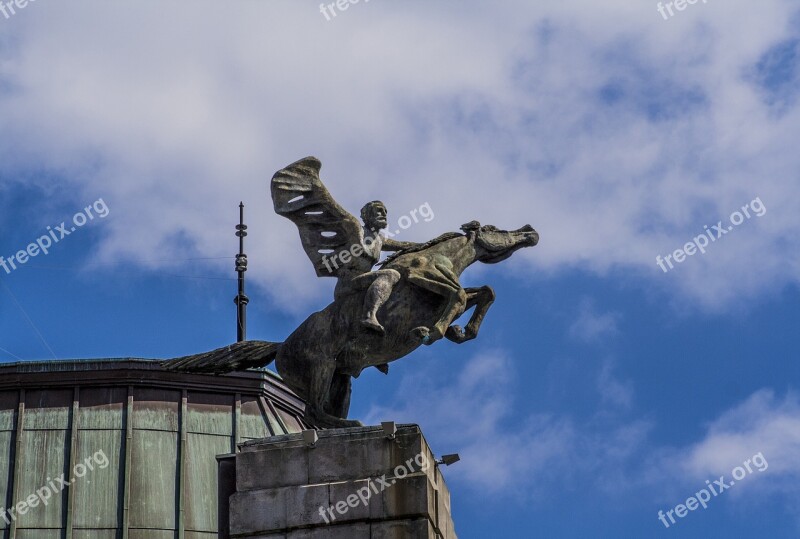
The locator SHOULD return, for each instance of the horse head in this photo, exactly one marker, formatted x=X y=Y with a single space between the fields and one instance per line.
x=493 y=245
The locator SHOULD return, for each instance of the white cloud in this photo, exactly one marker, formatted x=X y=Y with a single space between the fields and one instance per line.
x=477 y=414
x=762 y=424
x=517 y=457
x=613 y=391
x=617 y=134
x=590 y=325
x=761 y=436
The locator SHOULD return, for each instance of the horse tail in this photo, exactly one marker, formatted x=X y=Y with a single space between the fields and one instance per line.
x=235 y=357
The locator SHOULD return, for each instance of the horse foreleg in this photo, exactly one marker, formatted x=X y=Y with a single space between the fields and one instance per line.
x=480 y=298
x=456 y=304
x=446 y=285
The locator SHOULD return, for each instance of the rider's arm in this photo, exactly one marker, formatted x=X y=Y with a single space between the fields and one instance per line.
x=393 y=245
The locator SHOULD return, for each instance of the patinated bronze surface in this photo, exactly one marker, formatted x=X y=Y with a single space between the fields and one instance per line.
x=377 y=316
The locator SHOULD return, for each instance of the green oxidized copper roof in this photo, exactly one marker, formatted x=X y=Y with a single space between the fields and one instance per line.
x=143 y=440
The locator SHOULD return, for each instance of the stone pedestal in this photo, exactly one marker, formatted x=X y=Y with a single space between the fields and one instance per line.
x=353 y=483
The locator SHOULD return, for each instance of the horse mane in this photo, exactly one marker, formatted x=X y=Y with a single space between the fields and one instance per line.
x=422 y=246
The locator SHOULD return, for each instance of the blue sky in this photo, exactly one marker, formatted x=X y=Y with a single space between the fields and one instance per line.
x=601 y=389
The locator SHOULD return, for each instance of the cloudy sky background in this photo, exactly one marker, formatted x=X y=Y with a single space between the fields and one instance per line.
x=600 y=385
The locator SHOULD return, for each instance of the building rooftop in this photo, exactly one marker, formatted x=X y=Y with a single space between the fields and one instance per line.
x=150 y=435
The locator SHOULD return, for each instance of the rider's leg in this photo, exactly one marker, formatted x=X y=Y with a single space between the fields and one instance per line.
x=377 y=294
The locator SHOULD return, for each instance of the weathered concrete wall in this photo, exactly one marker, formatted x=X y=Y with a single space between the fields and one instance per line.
x=352 y=484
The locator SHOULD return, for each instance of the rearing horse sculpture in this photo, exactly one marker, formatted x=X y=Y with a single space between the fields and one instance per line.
x=320 y=358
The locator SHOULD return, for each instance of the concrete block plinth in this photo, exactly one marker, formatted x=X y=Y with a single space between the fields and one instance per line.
x=353 y=483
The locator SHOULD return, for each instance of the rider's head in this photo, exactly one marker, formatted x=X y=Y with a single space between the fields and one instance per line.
x=374 y=215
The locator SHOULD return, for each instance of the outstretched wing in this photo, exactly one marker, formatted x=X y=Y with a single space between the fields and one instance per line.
x=325 y=227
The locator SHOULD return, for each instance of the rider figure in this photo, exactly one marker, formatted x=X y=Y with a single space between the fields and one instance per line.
x=358 y=274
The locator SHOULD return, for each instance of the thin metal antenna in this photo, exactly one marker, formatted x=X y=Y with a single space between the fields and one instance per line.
x=241 y=300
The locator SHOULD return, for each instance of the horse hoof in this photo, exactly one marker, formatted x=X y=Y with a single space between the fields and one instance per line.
x=422 y=333
x=455 y=332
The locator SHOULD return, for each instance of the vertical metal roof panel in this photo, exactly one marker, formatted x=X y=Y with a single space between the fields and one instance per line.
x=44 y=453
x=102 y=408
x=6 y=456
x=151 y=534
x=156 y=409
x=210 y=413
x=94 y=534
x=201 y=476
x=160 y=432
x=153 y=488
x=38 y=534
x=97 y=494
x=253 y=422
x=8 y=410
x=47 y=409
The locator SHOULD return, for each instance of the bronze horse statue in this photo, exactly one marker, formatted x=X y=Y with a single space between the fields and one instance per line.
x=320 y=358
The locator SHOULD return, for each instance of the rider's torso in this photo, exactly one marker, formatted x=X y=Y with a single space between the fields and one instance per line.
x=370 y=254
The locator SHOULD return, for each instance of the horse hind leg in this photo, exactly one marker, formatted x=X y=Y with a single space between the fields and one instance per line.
x=338 y=404
x=328 y=398
x=480 y=298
